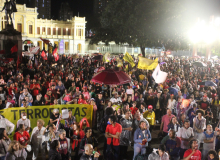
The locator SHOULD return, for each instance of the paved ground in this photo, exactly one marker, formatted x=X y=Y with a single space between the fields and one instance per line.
x=154 y=144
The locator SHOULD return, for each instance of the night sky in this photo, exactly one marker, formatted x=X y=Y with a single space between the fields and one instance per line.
x=84 y=7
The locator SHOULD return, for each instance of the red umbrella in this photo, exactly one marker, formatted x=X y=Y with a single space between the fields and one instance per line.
x=111 y=77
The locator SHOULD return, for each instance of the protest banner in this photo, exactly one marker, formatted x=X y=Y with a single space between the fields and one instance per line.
x=43 y=112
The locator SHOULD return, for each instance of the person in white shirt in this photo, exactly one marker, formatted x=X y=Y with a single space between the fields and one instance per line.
x=24 y=121
x=7 y=125
x=186 y=134
x=37 y=139
x=116 y=99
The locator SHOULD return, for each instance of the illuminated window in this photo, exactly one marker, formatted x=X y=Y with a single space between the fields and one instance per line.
x=48 y=31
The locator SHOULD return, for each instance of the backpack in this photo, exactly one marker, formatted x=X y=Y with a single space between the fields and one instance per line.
x=141 y=157
x=102 y=125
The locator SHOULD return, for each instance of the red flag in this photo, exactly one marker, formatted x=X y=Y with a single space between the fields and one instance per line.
x=45 y=40
x=19 y=60
x=55 y=54
x=14 y=48
x=43 y=55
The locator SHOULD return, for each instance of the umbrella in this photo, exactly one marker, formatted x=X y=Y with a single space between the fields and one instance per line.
x=111 y=77
x=173 y=91
x=98 y=57
x=208 y=83
x=199 y=64
x=27 y=42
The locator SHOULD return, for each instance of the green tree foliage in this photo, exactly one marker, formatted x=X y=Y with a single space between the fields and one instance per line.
x=144 y=23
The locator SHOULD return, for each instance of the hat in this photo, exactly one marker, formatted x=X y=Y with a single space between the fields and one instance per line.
x=77 y=88
x=200 y=111
x=172 y=95
x=166 y=90
x=84 y=87
x=49 y=89
x=92 y=99
x=150 y=107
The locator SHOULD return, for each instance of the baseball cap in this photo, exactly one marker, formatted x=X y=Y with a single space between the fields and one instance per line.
x=77 y=88
x=150 y=107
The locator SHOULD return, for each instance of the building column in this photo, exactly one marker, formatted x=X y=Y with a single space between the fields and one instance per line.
x=25 y=25
x=51 y=31
x=35 y=21
x=62 y=31
x=56 y=31
x=46 y=30
x=194 y=50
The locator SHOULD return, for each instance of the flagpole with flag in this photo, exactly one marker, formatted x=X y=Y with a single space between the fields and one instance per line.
x=55 y=54
x=127 y=57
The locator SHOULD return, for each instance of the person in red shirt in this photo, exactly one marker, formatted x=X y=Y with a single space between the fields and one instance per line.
x=22 y=136
x=133 y=108
x=35 y=88
x=112 y=133
x=193 y=152
x=81 y=99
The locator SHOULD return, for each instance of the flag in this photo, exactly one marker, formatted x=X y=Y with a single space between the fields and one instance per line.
x=106 y=58
x=55 y=54
x=19 y=60
x=43 y=55
x=35 y=50
x=158 y=75
x=148 y=64
x=14 y=48
x=45 y=40
x=127 y=57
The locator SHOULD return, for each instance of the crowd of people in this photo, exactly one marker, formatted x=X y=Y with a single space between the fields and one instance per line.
x=186 y=110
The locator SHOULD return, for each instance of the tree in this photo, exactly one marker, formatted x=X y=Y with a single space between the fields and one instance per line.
x=143 y=23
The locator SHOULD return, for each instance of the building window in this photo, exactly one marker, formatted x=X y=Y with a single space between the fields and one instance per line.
x=59 y=31
x=38 y=30
x=54 y=31
x=43 y=30
x=79 y=32
x=64 y=31
x=30 y=29
x=48 y=31
x=19 y=27
x=69 y=32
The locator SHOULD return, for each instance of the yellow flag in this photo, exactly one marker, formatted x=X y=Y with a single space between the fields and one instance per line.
x=147 y=64
x=127 y=57
x=153 y=65
x=106 y=57
x=119 y=62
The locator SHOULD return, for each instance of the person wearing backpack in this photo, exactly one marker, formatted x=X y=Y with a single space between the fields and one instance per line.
x=16 y=151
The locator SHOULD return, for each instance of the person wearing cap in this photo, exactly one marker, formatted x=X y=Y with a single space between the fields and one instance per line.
x=199 y=124
x=149 y=115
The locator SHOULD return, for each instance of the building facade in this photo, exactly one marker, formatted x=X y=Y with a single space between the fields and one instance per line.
x=68 y=35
